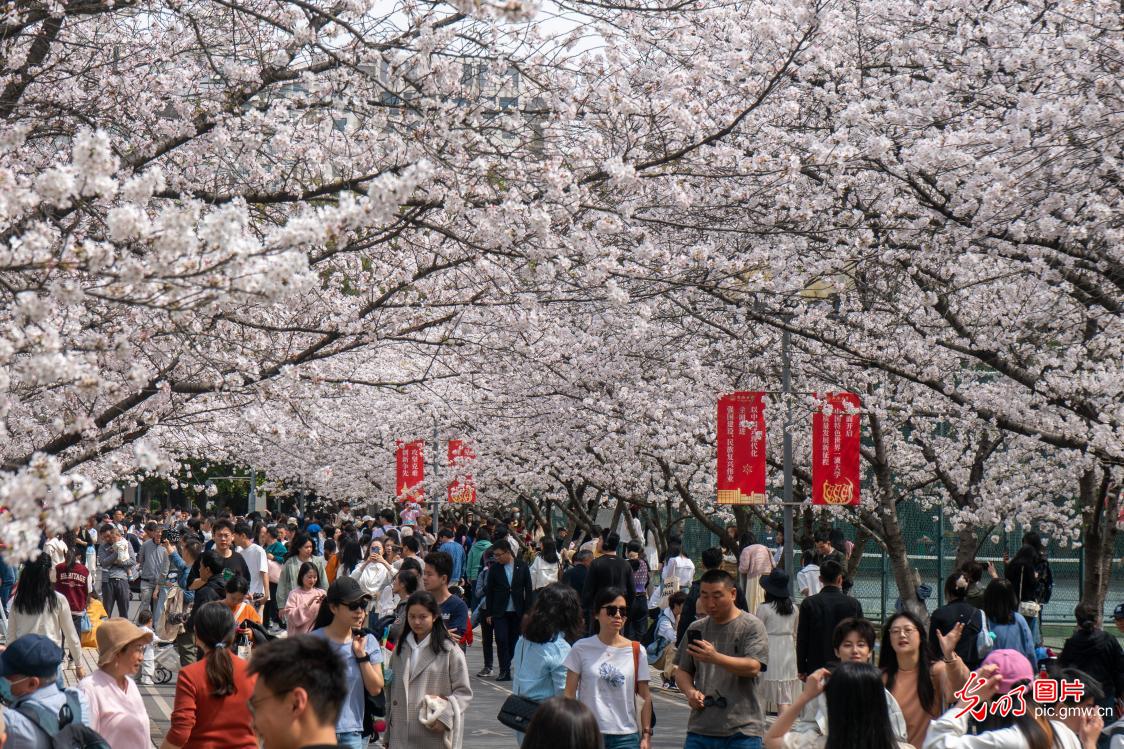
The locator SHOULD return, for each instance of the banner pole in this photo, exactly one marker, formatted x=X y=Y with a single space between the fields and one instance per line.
x=786 y=385
x=436 y=481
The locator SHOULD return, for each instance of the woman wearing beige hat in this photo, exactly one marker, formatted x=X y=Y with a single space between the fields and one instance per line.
x=116 y=706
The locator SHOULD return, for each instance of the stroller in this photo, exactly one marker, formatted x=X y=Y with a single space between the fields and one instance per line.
x=167 y=662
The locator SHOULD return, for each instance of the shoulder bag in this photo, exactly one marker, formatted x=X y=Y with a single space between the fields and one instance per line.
x=984 y=640
x=1029 y=608
x=636 y=694
x=517 y=710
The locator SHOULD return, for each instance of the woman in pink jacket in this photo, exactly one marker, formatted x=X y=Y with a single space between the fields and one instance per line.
x=303 y=602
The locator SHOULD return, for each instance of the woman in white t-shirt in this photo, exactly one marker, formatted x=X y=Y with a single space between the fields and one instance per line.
x=607 y=672
x=678 y=571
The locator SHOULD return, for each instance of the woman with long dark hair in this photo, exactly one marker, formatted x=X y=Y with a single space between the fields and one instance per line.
x=301 y=550
x=1030 y=575
x=351 y=554
x=430 y=689
x=562 y=723
x=606 y=672
x=37 y=608
x=303 y=604
x=780 y=684
x=544 y=570
x=340 y=621
x=921 y=686
x=858 y=715
x=554 y=621
x=212 y=695
x=1004 y=620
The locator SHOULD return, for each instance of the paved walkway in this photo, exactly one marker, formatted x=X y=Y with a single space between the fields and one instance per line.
x=482 y=730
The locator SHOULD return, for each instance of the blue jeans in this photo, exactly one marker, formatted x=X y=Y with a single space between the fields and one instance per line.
x=621 y=740
x=351 y=740
x=737 y=741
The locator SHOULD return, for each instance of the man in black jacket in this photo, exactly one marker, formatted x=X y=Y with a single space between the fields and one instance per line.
x=607 y=571
x=506 y=596
x=818 y=616
x=711 y=560
x=575 y=576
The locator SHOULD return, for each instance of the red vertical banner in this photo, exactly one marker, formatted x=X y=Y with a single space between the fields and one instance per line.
x=462 y=488
x=411 y=471
x=836 y=432
x=741 y=449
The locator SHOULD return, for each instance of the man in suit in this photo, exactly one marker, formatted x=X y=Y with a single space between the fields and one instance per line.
x=607 y=571
x=506 y=597
x=818 y=616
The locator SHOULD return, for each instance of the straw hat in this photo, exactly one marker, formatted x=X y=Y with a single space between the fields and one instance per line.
x=116 y=634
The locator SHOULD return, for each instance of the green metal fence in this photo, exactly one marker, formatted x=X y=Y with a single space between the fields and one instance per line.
x=931 y=546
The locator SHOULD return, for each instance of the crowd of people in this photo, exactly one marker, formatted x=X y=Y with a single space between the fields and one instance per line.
x=339 y=630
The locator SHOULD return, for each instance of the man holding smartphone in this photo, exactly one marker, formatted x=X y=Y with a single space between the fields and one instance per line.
x=718 y=671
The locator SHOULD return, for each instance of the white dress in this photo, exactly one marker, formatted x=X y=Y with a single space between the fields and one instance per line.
x=779 y=684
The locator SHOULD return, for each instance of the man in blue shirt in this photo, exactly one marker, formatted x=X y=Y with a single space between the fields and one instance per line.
x=28 y=669
x=454 y=550
x=435 y=579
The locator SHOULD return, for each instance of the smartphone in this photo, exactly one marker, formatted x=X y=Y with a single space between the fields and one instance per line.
x=693 y=635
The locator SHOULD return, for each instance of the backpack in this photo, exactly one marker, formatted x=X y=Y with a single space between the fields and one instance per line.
x=481 y=582
x=63 y=731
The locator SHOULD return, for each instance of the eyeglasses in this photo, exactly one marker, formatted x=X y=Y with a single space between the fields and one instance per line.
x=897 y=631
x=717 y=701
x=253 y=702
x=621 y=611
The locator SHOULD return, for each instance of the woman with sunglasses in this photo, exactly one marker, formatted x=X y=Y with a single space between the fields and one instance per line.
x=607 y=671
x=340 y=622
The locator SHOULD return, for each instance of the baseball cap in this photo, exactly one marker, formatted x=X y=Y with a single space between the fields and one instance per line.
x=31 y=655
x=1119 y=612
x=345 y=590
x=314 y=528
x=1013 y=667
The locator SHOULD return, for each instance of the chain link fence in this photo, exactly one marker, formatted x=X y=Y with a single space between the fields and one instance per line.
x=931 y=546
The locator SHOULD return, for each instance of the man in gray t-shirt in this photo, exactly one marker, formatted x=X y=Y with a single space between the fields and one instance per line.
x=719 y=669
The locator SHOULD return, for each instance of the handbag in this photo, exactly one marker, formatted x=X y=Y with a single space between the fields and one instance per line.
x=636 y=694
x=84 y=624
x=1029 y=609
x=985 y=640
x=274 y=570
x=516 y=712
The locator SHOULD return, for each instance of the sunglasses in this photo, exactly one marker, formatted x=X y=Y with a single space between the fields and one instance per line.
x=621 y=611
x=356 y=605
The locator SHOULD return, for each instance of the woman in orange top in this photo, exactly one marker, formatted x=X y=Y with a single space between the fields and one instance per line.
x=212 y=695
x=922 y=687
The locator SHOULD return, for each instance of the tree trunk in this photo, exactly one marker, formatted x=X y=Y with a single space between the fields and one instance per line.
x=862 y=536
x=967 y=544
x=904 y=575
x=1101 y=505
